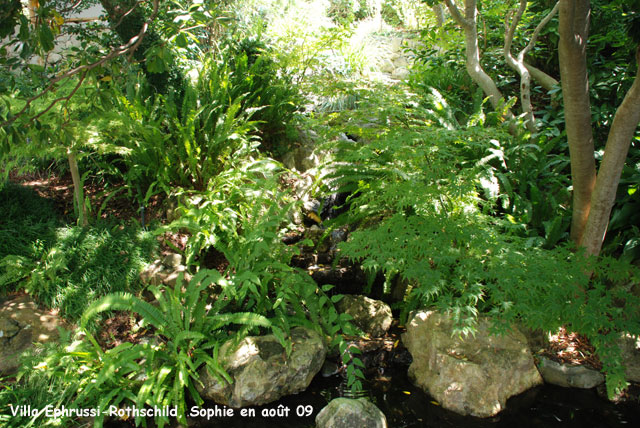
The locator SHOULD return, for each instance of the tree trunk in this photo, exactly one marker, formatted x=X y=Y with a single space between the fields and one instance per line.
x=574 y=31
x=469 y=24
x=78 y=194
x=623 y=127
x=519 y=66
x=438 y=11
x=542 y=78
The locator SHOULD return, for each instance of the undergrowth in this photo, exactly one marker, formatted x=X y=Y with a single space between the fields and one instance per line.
x=424 y=200
x=66 y=267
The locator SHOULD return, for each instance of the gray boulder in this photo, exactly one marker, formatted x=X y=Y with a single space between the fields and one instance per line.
x=630 y=347
x=400 y=73
x=350 y=413
x=165 y=271
x=23 y=323
x=371 y=316
x=569 y=376
x=386 y=66
x=468 y=375
x=261 y=370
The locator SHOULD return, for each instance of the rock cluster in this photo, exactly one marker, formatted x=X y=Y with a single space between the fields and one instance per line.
x=373 y=317
x=165 y=271
x=569 y=376
x=393 y=59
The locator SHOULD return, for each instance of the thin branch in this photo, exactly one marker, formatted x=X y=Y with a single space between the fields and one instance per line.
x=80 y=20
x=457 y=16
x=539 y=76
x=65 y=98
x=70 y=8
x=127 y=13
x=539 y=28
x=508 y=36
x=130 y=46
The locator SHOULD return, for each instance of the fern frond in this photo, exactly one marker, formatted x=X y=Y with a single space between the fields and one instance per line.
x=125 y=302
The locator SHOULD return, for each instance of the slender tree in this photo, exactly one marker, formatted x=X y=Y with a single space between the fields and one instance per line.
x=593 y=195
x=469 y=24
x=519 y=64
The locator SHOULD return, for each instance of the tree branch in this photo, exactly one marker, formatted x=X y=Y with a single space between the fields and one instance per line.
x=511 y=29
x=539 y=28
x=130 y=46
x=65 y=98
x=457 y=16
x=542 y=78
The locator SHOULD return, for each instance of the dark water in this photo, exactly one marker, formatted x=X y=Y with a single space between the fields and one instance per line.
x=406 y=406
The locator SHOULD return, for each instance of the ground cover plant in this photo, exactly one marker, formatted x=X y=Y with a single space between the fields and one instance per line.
x=456 y=192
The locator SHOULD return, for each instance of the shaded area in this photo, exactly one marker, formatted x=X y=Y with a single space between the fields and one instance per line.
x=65 y=266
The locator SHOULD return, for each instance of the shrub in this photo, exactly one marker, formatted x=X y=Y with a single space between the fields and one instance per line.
x=414 y=196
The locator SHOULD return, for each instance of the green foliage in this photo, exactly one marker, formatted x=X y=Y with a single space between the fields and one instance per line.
x=48 y=377
x=414 y=196
x=269 y=93
x=242 y=215
x=623 y=235
x=345 y=12
x=9 y=17
x=353 y=365
x=189 y=333
x=28 y=221
x=165 y=144
x=445 y=71
x=404 y=13
x=235 y=101
x=66 y=267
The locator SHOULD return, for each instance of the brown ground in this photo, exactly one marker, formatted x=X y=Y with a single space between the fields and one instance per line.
x=59 y=189
x=119 y=328
x=571 y=348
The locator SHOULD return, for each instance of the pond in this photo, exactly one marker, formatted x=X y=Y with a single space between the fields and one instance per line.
x=407 y=406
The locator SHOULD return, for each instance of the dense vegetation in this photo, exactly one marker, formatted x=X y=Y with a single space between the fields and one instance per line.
x=460 y=202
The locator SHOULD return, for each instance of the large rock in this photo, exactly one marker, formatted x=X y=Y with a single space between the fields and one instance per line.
x=307 y=155
x=569 y=376
x=350 y=413
x=165 y=271
x=23 y=323
x=386 y=66
x=630 y=346
x=261 y=370
x=371 y=316
x=400 y=73
x=469 y=375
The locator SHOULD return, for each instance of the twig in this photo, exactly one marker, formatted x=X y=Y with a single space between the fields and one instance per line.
x=539 y=28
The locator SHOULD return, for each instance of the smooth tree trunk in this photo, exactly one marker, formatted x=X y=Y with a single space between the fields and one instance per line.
x=625 y=123
x=542 y=78
x=438 y=11
x=519 y=64
x=78 y=193
x=469 y=24
x=572 y=45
